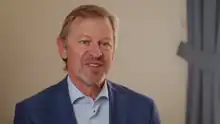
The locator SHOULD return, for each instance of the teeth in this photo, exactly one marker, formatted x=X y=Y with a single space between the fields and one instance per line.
x=93 y=65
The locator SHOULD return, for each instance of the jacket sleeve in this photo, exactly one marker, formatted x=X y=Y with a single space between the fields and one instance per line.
x=21 y=115
x=155 y=118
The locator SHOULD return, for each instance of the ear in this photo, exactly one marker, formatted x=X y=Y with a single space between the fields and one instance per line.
x=61 y=48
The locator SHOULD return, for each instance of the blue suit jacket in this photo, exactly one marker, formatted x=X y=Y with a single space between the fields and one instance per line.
x=53 y=106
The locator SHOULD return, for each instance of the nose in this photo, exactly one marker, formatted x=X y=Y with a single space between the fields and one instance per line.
x=95 y=50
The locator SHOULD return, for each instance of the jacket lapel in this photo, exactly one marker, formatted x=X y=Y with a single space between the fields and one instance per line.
x=64 y=113
x=118 y=106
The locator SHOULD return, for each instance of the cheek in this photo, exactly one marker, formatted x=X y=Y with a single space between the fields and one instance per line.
x=108 y=56
x=74 y=57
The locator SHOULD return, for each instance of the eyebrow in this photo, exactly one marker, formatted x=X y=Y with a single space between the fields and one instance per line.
x=87 y=36
x=84 y=35
x=106 y=38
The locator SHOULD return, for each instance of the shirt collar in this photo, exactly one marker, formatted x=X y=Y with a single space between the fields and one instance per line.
x=75 y=93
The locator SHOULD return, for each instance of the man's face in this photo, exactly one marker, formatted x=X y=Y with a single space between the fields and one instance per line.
x=90 y=48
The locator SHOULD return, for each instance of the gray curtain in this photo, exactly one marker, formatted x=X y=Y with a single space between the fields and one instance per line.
x=202 y=52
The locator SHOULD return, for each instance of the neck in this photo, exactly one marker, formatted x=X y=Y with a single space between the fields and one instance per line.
x=91 y=91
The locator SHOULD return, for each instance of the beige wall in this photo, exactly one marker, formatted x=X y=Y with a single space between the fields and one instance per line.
x=149 y=35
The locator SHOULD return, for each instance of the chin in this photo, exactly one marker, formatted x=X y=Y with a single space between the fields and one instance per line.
x=92 y=79
x=91 y=82
x=94 y=82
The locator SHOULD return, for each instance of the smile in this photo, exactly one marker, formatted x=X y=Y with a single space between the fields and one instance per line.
x=94 y=65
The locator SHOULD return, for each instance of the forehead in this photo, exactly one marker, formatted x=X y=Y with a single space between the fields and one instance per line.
x=94 y=26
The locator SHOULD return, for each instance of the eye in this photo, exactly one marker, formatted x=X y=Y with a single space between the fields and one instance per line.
x=106 y=45
x=86 y=42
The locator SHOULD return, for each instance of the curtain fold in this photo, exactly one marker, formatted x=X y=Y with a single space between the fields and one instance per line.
x=202 y=52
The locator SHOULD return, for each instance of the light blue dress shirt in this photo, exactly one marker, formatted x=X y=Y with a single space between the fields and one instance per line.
x=87 y=110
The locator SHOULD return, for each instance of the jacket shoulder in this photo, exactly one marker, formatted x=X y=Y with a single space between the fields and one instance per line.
x=132 y=94
x=145 y=107
x=44 y=95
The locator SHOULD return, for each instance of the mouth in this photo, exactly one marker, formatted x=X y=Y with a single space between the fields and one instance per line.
x=94 y=64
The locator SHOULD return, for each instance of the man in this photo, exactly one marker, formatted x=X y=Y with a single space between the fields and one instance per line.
x=87 y=44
